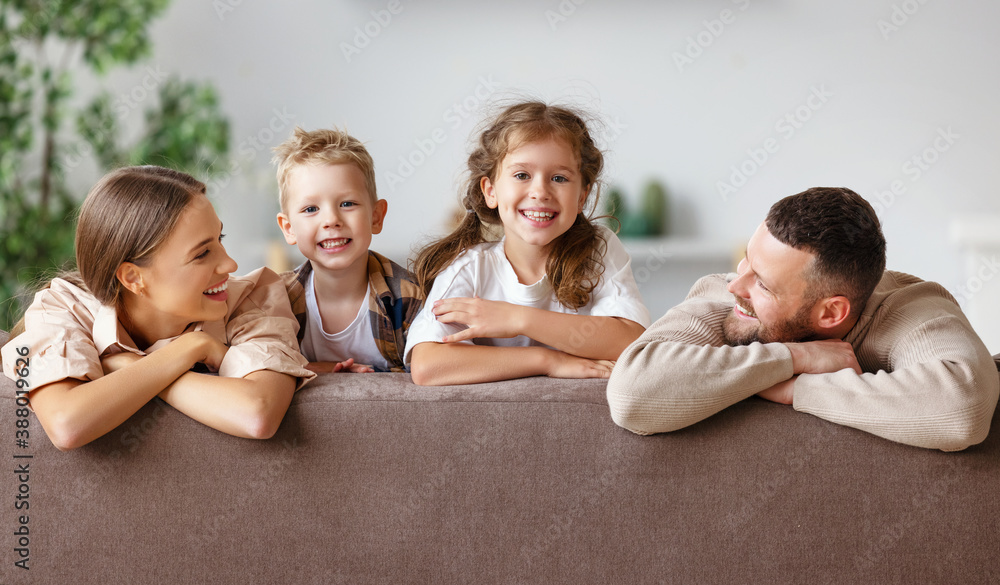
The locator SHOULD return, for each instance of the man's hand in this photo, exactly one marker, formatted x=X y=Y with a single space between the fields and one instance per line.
x=347 y=365
x=782 y=392
x=823 y=357
x=483 y=318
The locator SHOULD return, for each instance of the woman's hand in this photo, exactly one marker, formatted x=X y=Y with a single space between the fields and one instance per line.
x=203 y=347
x=75 y=412
x=497 y=319
x=207 y=349
x=115 y=362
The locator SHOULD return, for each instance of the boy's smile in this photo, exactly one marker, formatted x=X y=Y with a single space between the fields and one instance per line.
x=337 y=244
x=331 y=216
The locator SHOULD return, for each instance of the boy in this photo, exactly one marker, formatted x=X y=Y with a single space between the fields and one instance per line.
x=354 y=306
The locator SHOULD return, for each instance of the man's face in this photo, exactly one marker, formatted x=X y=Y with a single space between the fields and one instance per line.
x=773 y=303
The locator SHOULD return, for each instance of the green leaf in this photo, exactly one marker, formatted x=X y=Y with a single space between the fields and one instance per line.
x=187 y=128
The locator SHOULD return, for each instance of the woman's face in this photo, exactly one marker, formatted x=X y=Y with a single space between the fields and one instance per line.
x=186 y=279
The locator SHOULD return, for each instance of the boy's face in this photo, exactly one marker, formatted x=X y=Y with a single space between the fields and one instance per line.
x=330 y=216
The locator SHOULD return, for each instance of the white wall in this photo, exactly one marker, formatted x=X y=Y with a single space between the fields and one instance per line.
x=889 y=79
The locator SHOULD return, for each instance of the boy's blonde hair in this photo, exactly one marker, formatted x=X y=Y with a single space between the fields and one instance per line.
x=322 y=146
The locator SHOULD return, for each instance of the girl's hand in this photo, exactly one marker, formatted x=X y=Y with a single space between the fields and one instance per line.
x=483 y=318
x=347 y=365
x=113 y=363
x=564 y=365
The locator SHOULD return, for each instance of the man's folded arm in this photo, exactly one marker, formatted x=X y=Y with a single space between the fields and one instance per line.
x=679 y=372
x=940 y=394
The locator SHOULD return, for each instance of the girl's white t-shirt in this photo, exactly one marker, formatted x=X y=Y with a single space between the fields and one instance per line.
x=356 y=341
x=483 y=271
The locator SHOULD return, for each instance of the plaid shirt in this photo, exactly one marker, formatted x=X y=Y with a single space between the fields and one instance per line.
x=395 y=302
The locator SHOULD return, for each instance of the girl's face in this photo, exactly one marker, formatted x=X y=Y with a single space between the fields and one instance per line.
x=538 y=192
x=186 y=279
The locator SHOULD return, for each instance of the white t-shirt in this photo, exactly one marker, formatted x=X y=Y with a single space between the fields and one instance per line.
x=484 y=271
x=356 y=341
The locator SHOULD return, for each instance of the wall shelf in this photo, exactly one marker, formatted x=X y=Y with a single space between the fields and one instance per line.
x=665 y=268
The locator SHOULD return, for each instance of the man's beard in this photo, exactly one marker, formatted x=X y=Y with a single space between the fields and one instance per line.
x=738 y=331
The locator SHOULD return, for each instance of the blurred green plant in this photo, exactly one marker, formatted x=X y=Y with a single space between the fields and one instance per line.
x=651 y=220
x=184 y=126
x=187 y=131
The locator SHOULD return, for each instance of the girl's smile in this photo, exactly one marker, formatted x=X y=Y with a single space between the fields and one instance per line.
x=538 y=193
x=539 y=216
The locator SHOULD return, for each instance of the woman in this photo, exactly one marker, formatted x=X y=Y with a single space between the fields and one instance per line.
x=153 y=298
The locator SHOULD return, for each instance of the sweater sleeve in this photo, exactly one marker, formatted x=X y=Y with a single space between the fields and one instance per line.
x=680 y=371
x=929 y=380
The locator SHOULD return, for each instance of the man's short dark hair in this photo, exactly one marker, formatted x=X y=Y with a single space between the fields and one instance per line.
x=843 y=231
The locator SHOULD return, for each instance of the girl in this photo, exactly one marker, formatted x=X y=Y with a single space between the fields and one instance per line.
x=555 y=296
x=152 y=298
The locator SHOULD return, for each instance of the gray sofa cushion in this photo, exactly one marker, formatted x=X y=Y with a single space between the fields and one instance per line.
x=372 y=479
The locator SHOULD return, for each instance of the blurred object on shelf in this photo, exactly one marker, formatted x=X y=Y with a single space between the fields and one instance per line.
x=651 y=220
x=277 y=256
x=614 y=208
x=978 y=290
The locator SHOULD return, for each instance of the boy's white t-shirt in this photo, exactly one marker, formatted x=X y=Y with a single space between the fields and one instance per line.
x=356 y=341
x=483 y=271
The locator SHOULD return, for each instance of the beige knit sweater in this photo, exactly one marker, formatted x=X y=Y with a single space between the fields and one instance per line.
x=928 y=379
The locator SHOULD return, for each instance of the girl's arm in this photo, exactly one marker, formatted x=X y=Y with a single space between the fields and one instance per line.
x=441 y=364
x=601 y=338
x=74 y=412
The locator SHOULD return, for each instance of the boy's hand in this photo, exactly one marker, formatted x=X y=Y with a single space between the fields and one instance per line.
x=483 y=318
x=347 y=365
x=353 y=368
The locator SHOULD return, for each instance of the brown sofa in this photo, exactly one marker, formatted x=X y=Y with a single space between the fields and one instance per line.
x=372 y=479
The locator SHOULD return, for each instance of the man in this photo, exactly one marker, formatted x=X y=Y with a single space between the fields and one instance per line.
x=812 y=319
